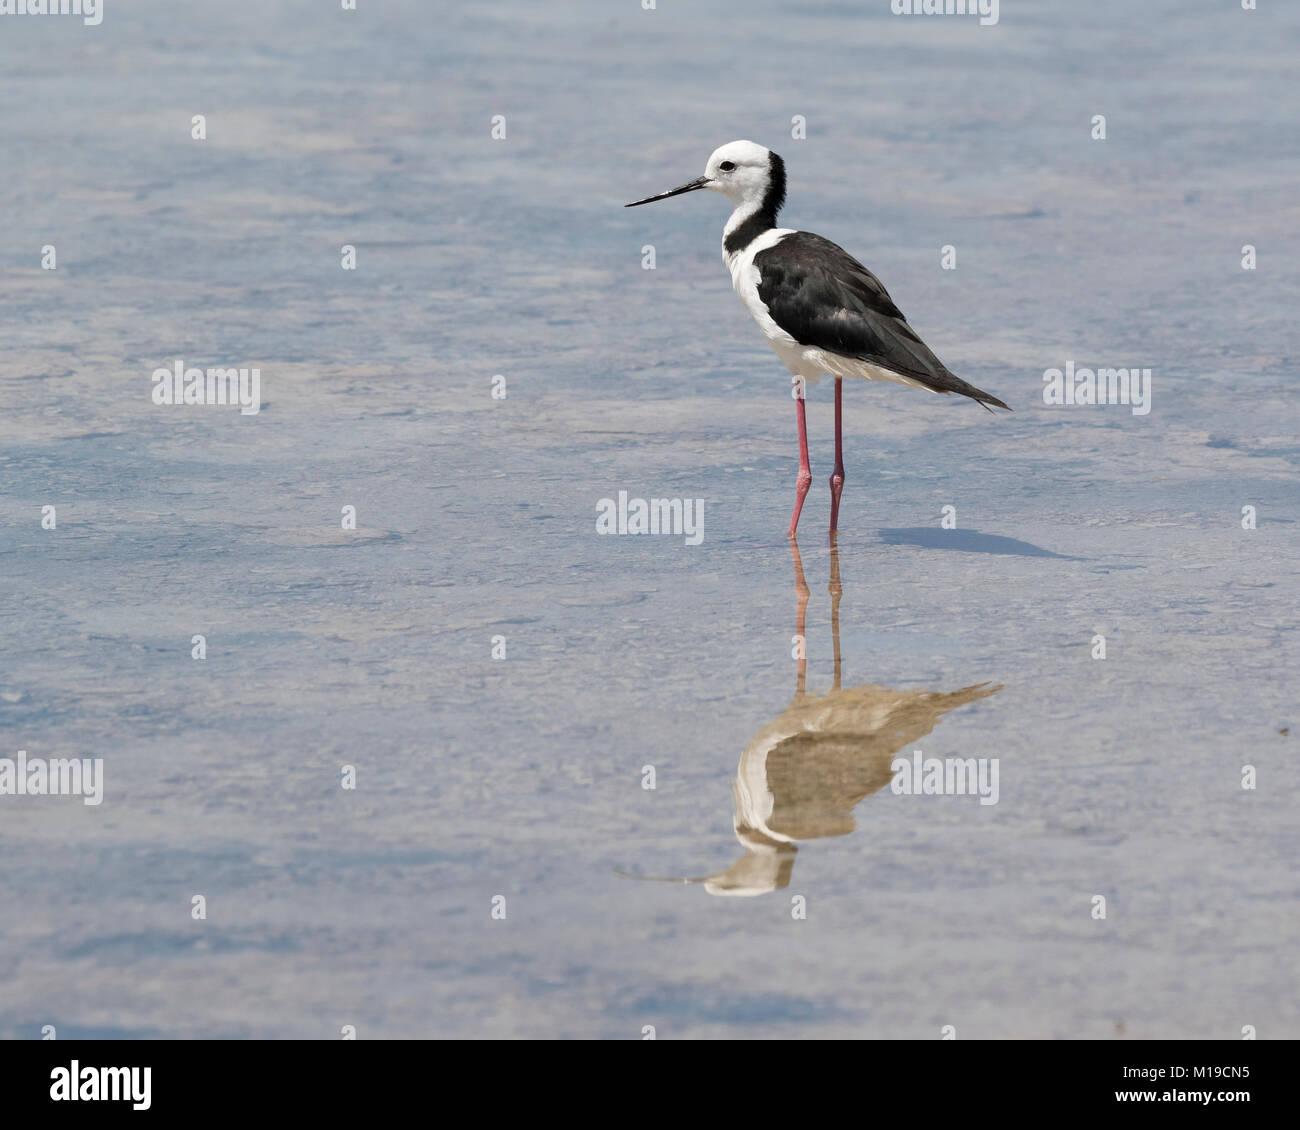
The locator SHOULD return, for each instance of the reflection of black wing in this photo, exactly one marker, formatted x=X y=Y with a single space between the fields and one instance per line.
x=823 y=297
x=816 y=779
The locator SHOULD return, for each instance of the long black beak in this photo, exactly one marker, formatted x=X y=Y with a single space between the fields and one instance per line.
x=698 y=183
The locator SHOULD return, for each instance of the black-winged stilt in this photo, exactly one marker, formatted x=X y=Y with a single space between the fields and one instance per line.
x=819 y=308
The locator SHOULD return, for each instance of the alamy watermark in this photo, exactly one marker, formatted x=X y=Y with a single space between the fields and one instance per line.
x=59 y=776
x=75 y=1083
x=179 y=385
x=987 y=10
x=90 y=11
x=676 y=517
x=1100 y=386
x=945 y=776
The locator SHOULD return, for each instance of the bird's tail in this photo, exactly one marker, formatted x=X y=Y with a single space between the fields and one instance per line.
x=950 y=382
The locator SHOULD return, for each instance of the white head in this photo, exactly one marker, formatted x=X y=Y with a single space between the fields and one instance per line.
x=747 y=174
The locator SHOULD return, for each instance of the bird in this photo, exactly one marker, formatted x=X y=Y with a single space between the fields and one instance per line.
x=819 y=308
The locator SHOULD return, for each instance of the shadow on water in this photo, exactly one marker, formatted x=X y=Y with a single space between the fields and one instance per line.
x=803 y=773
x=968 y=541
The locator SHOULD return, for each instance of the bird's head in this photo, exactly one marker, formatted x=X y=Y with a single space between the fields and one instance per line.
x=742 y=171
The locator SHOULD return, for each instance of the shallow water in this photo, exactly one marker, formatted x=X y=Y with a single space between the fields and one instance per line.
x=476 y=518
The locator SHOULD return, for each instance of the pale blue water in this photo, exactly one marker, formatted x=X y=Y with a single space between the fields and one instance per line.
x=522 y=777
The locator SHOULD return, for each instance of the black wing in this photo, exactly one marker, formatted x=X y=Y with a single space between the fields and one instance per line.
x=823 y=297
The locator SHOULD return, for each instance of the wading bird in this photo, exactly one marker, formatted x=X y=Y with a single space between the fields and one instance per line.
x=819 y=308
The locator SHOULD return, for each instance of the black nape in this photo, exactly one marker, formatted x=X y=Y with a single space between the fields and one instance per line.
x=765 y=218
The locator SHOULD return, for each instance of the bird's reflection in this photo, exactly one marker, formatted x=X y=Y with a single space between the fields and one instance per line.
x=803 y=773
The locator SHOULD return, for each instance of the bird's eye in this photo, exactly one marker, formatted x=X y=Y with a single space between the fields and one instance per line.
x=727 y=166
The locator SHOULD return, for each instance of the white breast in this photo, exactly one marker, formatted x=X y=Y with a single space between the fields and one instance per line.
x=806 y=361
x=745 y=277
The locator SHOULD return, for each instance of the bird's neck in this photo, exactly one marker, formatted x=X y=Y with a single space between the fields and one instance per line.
x=749 y=219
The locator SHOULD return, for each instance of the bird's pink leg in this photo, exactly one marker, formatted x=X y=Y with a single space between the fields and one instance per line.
x=836 y=590
x=805 y=471
x=837 y=476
